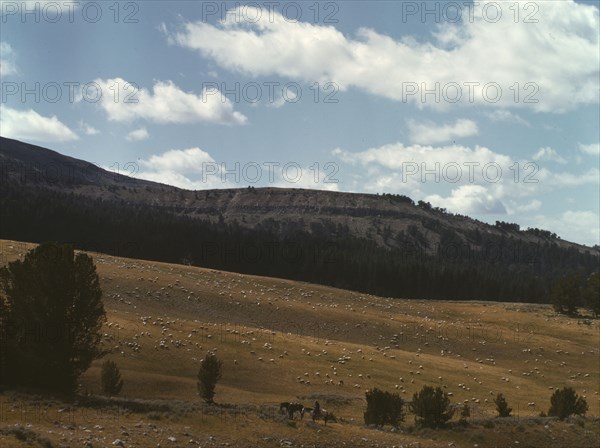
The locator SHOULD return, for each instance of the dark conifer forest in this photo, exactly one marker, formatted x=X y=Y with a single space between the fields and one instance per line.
x=499 y=268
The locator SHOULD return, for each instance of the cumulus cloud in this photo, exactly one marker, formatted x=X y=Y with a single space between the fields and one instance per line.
x=478 y=180
x=582 y=226
x=325 y=178
x=181 y=160
x=192 y=169
x=167 y=103
x=428 y=132
x=137 y=135
x=398 y=156
x=549 y=154
x=31 y=126
x=477 y=175
x=513 y=207
x=87 y=129
x=7 y=60
x=592 y=149
x=381 y=65
x=469 y=199
x=196 y=169
x=503 y=115
x=567 y=179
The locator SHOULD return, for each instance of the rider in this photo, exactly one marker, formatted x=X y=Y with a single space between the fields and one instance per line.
x=317 y=409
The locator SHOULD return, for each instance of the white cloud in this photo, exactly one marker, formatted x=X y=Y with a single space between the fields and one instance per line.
x=549 y=154
x=189 y=160
x=195 y=169
x=478 y=180
x=30 y=126
x=381 y=65
x=88 y=129
x=184 y=168
x=591 y=149
x=137 y=135
x=513 y=207
x=7 y=60
x=428 y=132
x=566 y=179
x=167 y=103
x=468 y=200
x=580 y=226
x=507 y=116
x=397 y=156
x=304 y=177
x=572 y=225
x=162 y=28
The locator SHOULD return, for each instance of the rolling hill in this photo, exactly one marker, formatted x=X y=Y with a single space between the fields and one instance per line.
x=282 y=340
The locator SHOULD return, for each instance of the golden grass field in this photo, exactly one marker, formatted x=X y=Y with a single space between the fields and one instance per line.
x=290 y=341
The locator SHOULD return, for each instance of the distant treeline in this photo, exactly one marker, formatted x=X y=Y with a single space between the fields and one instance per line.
x=483 y=267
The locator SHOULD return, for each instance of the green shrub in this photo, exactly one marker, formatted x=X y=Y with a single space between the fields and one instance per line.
x=208 y=376
x=502 y=406
x=111 y=378
x=465 y=413
x=383 y=407
x=431 y=407
x=566 y=402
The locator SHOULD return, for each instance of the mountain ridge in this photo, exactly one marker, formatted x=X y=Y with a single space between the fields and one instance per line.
x=379 y=218
x=379 y=244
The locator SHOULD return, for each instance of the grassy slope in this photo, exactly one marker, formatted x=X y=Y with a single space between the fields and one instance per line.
x=282 y=341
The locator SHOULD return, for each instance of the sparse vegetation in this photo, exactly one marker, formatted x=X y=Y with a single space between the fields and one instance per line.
x=571 y=292
x=591 y=293
x=431 y=407
x=208 y=376
x=566 y=295
x=489 y=424
x=24 y=435
x=51 y=312
x=112 y=383
x=465 y=413
x=502 y=406
x=383 y=408
x=565 y=402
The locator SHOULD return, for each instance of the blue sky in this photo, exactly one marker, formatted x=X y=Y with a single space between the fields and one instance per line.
x=488 y=109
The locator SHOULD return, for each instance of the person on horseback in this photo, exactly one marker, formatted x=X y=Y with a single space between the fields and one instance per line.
x=317 y=409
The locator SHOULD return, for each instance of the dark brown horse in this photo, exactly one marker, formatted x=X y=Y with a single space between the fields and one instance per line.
x=322 y=414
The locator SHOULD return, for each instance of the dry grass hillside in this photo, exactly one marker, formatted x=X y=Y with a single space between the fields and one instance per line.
x=284 y=341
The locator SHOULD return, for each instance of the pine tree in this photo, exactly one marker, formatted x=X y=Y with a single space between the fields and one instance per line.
x=566 y=294
x=565 y=402
x=208 y=376
x=383 y=407
x=592 y=293
x=431 y=407
x=502 y=406
x=112 y=383
x=51 y=302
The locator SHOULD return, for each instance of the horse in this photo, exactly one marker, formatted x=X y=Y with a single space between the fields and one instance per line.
x=322 y=414
x=292 y=408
